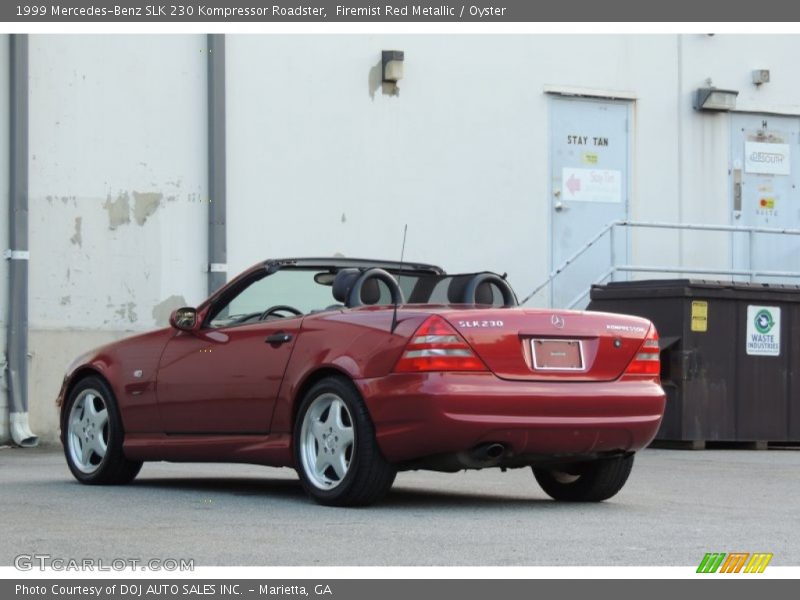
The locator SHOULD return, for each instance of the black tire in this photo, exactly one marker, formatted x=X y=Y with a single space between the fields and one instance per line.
x=368 y=476
x=112 y=468
x=592 y=481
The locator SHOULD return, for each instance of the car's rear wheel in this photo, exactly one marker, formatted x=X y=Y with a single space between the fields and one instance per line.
x=592 y=481
x=92 y=435
x=336 y=454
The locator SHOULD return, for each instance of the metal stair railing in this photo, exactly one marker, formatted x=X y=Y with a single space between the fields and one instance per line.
x=609 y=230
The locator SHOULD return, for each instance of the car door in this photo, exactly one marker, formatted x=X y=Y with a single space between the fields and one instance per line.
x=224 y=378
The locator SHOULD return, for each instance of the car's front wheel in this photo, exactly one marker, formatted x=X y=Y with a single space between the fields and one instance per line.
x=92 y=435
x=592 y=481
x=336 y=454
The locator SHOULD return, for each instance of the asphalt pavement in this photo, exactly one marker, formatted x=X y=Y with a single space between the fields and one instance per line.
x=677 y=506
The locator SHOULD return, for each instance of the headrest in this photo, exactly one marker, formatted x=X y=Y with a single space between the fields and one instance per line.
x=370 y=291
x=343 y=283
x=484 y=294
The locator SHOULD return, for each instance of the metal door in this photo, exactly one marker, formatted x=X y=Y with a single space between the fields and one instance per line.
x=589 y=158
x=765 y=163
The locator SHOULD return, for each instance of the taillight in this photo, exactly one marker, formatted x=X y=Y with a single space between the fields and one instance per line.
x=646 y=362
x=436 y=346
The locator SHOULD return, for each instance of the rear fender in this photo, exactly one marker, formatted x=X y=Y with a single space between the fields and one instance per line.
x=356 y=344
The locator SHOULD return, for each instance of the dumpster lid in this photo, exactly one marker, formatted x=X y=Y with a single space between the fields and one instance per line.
x=696 y=288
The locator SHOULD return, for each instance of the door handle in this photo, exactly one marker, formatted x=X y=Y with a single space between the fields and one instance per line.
x=559 y=207
x=279 y=338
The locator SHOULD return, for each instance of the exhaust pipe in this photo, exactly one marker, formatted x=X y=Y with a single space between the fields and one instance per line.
x=488 y=452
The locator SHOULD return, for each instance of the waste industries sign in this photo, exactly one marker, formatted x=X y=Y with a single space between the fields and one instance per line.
x=591 y=185
x=763 y=331
x=769 y=159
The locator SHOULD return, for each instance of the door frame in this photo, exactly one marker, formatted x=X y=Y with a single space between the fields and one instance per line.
x=731 y=204
x=622 y=98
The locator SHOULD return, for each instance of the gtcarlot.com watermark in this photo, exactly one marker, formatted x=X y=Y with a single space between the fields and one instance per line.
x=42 y=562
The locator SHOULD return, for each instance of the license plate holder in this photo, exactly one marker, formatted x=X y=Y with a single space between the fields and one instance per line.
x=557 y=355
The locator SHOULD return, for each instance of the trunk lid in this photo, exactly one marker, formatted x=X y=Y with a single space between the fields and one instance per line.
x=543 y=345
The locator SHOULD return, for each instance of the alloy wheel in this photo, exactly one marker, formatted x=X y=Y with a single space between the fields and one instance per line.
x=87 y=433
x=327 y=441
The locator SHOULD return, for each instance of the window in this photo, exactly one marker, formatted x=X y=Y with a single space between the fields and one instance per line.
x=289 y=287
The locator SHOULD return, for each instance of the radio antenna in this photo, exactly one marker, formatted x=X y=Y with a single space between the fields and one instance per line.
x=403 y=247
x=399 y=273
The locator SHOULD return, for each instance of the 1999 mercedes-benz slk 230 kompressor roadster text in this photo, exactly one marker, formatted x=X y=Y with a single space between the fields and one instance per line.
x=349 y=370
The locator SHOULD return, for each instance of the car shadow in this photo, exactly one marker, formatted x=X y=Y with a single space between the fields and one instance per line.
x=236 y=486
x=400 y=497
x=404 y=497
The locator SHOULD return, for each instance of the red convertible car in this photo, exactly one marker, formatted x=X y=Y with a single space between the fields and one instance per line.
x=351 y=370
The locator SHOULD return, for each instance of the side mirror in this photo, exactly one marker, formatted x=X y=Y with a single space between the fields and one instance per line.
x=184 y=318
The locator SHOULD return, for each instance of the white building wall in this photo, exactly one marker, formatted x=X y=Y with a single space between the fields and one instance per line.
x=461 y=155
x=728 y=61
x=118 y=194
x=462 y=152
x=4 y=171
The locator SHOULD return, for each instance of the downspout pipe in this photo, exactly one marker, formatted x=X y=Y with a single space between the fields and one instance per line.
x=217 y=201
x=17 y=254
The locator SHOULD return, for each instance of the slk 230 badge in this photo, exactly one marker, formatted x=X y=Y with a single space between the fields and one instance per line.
x=467 y=324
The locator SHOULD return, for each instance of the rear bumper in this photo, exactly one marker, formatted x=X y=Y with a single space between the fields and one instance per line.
x=427 y=414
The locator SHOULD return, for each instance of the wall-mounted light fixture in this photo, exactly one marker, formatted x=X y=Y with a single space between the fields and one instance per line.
x=760 y=76
x=714 y=99
x=392 y=66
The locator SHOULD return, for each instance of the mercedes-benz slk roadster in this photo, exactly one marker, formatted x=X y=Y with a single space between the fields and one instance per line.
x=351 y=370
